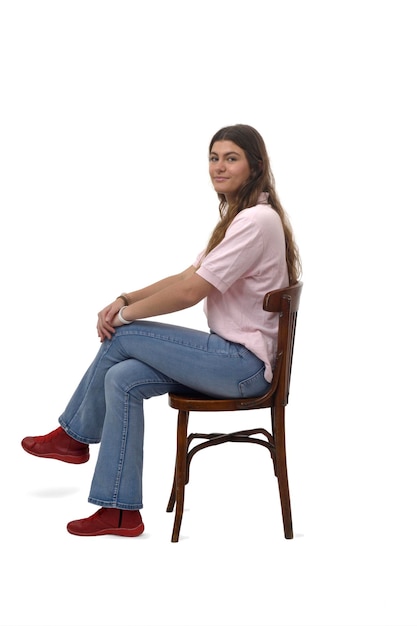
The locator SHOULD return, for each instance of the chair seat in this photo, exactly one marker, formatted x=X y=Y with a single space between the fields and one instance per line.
x=206 y=403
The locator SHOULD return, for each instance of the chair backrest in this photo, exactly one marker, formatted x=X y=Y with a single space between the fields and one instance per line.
x=285 y=302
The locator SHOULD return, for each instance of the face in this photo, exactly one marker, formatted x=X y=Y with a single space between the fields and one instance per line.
x=229 y=168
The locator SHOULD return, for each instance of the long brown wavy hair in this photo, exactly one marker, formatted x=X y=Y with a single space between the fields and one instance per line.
x=260 y=180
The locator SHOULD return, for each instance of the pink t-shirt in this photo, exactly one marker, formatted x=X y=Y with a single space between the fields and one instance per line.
x=249 y=262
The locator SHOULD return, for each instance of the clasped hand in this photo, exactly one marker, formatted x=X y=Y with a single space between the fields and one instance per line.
x=108 y=320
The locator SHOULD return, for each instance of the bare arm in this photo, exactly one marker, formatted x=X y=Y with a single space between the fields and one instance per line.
x=173 y=297
x=170 y=294
x=140 y=294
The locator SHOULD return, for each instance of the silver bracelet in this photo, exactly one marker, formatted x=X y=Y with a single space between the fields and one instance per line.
x=121 y=318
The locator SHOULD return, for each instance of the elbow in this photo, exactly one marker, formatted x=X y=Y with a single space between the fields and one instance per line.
x=194 y=290
x=194 y=294
x=191 y=298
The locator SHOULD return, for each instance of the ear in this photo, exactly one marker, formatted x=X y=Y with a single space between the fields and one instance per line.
x=258 y=168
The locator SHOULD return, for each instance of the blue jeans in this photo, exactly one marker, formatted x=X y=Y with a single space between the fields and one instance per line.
x=142 y=360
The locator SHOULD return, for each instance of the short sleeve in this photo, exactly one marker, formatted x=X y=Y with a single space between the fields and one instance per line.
x=236 y=256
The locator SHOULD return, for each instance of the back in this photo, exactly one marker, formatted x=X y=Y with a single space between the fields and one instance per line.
x=249 y=262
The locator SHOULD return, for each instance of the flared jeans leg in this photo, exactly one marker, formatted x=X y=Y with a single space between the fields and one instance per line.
x=117 y=480
x=142 y=360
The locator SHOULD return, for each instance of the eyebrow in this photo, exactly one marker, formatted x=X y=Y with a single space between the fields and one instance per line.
x=226 y=154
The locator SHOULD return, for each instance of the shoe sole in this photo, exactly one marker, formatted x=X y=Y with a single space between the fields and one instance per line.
x=76 y=460
x=121 y=532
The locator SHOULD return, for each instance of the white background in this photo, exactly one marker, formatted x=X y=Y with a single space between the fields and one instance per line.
x=106 y=112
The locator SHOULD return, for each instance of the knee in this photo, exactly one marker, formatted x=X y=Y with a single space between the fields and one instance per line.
x=121 y=377
x=137 y=379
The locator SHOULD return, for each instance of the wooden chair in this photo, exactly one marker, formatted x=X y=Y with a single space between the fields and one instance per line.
x=285 y=303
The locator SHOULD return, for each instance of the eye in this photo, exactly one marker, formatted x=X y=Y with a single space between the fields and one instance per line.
x=213 y=158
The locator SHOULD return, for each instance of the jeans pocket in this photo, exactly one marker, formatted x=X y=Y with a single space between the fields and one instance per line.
x=255 y=385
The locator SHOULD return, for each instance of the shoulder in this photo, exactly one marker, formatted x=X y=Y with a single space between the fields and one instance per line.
x=259 y=216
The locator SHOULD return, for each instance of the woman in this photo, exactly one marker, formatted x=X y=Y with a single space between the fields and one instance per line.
x=251 y=251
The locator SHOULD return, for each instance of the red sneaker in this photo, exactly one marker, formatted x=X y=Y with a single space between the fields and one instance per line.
x=57 y=445
x=108 y=522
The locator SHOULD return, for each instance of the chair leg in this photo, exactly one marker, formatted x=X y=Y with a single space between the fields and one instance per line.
x=171 y=502
x=180 y=472
x=278 y=418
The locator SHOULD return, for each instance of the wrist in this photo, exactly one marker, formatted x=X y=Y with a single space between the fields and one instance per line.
x=121 y=317
x=123 y=297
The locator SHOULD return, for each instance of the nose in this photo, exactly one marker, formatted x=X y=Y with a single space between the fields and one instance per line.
x=220 y=166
